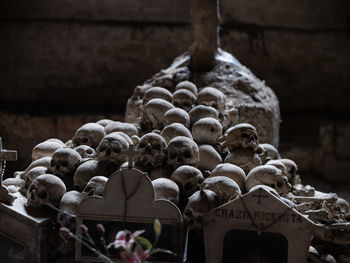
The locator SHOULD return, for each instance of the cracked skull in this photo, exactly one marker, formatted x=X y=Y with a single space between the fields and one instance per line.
x=182 y=151
x=46 y=149
x=173 y=130
x=151 y=150
x=112 y=149
x=188 y=178
x=206 y=131
x=242 y=136
x=45 y=188
x=95 y=186
x=165 y=188
x=177 y=115
x=89 y=134
x=69 y=209
x=153 y=115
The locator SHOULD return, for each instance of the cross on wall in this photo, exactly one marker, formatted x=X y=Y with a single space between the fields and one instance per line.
x=259 y=196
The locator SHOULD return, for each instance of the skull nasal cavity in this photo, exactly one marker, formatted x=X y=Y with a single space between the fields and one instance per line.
x=149 y=147
x=108 y=151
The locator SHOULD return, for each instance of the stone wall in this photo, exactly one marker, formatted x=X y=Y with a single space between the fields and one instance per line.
x=62 y=60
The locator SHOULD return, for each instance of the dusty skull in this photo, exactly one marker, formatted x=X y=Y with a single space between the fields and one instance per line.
x=269 y=153
x=157 y=93
x=209 y=158
x=85 y=151
x=45 y=161
x=177 y=115
x=182 y=151
x=173 y=130
x=96 y=186
x=166 y=189
x=86 y=171
x=278 y=164
x=31 y=175
x=247 y=159
x=206 y=131
x=202 y=111
x=153 y=115
x=188 y=86
x=268 y=175
x=242 y=136
x=212 y=97
x=45 y=188
x=231 y=171
x=112 y=149
x=64 y=162
x=69 y=209
x=117 y=126
x=89 y=134
x=291 y=168
x=188 y=178
x=151 y=150
x=13 y=185
x=46 y=148
x=199 y=203
x=224 y=187
x=184 y=99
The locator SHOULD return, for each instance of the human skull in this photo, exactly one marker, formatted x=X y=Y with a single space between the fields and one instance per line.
x=151 y=150
x=153 y=114
x=45 y=188
x=269 y=153
x=206 y=131
x=13 y=185
x=112 y=149
x=212 y=97
x=177 y=115
x=157 y=93
x=95 y=186
x=198 y=204
x=45 y=161
x=64 y=162
x=188 y=86
x=69 y=209
x=268 y=175
x=244 y=158
x=88 y=170
x=232 y=171
x=173 y=130
x=89 y=134
x=182 y=151
x=46 y=148
x=127 y=128
x=31 y=175
x=188 y=178
x=202 y=111
x=224 y=187
x=243 y=136
x=184 y=99
x=104 y=122
x=165 y=188
x=85 y=151
x=291 y=168
x=278 y=164
x=209 y=158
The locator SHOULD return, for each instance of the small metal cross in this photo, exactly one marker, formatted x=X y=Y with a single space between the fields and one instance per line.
x=131 y=152
x=260 y=196
x=5 y=155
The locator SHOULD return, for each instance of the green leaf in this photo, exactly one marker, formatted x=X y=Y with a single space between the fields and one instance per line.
x=157 y=227
x=161 y=250
x=144 y=242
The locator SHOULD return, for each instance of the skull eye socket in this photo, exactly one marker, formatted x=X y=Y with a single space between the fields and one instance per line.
x=89 y=151
x=244 y=135
x=142 y=144
x=63 y=163
x=279 y=184
x=102 y=147
x=187 y=153
x=187 y=104
x=214 y=105
x=172 y=155
x=42 y=195
x=116 y=149
x=53 y=162
x=84 y=140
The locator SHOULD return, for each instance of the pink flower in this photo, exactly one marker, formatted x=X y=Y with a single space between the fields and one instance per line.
x=125 y=239
x=137 y=256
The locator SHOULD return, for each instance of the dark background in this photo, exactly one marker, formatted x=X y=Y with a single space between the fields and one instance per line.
x=64 y=63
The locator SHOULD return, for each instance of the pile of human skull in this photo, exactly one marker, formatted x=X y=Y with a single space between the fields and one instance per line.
x=195 y=155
